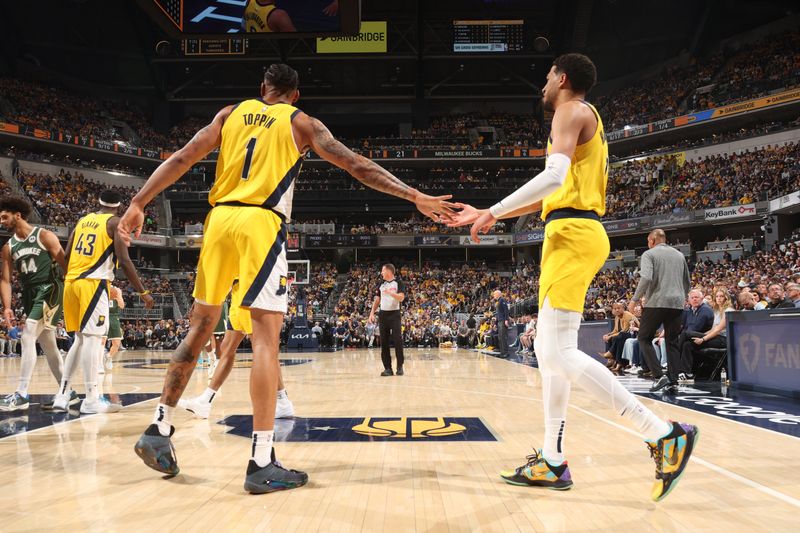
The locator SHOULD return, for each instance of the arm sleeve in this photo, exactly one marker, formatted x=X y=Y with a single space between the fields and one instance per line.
x=543 y=184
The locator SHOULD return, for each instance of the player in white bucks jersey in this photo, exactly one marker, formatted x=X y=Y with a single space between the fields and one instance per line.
x=38 y=258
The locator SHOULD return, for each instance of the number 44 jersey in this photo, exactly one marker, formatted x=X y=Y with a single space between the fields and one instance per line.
x=32 y=260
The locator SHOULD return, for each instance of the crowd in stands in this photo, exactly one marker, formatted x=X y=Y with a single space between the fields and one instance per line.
x=63 y=198
x=659 y=97
x=730 y=179
x=754 y=70
x=751 y=71
x=754 y=130
x=46 y=156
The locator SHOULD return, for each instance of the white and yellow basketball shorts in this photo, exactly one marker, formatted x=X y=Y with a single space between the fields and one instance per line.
x=574 y=251
x=86 y=306
x=248 y=244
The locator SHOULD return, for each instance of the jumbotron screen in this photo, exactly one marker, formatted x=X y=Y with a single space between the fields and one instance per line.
x=257 y=18
x=488 y=35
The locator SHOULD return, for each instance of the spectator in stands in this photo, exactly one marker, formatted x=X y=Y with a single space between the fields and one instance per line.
x=793 y=292
x=777 y=299
x=340 y=335
x=717 y=336
x=14 y=336
x=527 y=337
x=615 y=339
x=698 y=319
x=746 y=300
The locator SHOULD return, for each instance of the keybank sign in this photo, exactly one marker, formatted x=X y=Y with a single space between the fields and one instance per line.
x=731 y=212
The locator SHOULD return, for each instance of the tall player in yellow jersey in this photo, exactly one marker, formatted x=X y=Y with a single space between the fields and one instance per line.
x=90 y=256
x=570 y=192
x=262 y=144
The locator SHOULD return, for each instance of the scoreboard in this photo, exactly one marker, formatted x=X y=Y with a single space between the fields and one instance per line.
x=488 y=35
x=214 y=47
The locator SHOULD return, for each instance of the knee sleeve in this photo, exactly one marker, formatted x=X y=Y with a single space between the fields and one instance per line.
x=556 y=342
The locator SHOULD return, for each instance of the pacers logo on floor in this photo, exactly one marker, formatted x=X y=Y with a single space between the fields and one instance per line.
x=407 y=428
x=398 y=428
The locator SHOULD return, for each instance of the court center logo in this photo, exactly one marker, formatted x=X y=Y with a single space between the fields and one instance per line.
x=393 y=429
x=416 y=428
x=748 y=346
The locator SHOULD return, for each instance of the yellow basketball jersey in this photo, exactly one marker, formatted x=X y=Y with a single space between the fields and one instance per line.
x=92 y=254
x=258 y=159
x=256 y=15
x=585 y=185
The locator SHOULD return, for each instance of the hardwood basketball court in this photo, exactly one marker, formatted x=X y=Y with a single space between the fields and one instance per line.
x=419 y=472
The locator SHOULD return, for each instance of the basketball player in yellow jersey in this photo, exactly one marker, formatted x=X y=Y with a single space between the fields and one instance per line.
x=261 y=16
x=570 y=192
x=90 y=254
x=262 y=145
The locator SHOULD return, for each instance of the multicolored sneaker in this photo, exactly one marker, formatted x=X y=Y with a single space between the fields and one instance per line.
x=671 y=454
x=537 y=472
x=14 y=402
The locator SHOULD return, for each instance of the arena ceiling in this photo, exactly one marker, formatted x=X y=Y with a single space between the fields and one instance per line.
x=113 y=43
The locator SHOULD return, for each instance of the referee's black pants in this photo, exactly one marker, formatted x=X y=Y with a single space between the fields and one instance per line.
x=391 y=328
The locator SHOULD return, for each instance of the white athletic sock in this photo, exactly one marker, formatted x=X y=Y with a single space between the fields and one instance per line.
x=47 y=339
x=262 y=447
x=557 y=346
x=29 y=334
x=208 y=395
x=555 y=392
x=90 y=347
x=282 y=395
x=71 y=363
x=163 y=419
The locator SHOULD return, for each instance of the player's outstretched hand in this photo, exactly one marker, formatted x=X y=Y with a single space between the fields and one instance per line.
x=482 y=225
x=464 y=217
x=148 y=300
x=131 y=221
x=434 y=207
x=8 y=315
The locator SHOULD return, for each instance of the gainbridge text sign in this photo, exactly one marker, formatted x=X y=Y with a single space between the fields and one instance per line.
x=734 y=211
x=371 y=39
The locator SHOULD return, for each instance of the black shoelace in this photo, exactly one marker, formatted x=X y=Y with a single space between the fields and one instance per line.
x=657 y=453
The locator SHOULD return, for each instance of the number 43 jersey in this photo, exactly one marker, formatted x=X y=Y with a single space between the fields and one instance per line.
x=92 y=253
x=32 y=260
x=258 y=158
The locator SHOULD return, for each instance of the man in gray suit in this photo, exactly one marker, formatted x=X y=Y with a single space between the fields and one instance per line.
x=664 y=283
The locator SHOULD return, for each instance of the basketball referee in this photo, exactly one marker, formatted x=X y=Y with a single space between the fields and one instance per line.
x=388 y=297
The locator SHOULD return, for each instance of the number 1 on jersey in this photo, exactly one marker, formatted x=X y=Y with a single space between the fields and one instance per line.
x=248 y=158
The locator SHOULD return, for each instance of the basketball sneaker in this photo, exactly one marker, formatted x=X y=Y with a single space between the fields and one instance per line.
x=537 y=472
x=71 y=400
x=671 y=454
x=14 y=402
x=284 y=408
x=109 y=362
x=99 y=405
x=271 y=478
x=157 y=451
x=197 y=406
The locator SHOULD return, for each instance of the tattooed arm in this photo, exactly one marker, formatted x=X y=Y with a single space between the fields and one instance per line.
x=312 y=134
x=170 y=171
